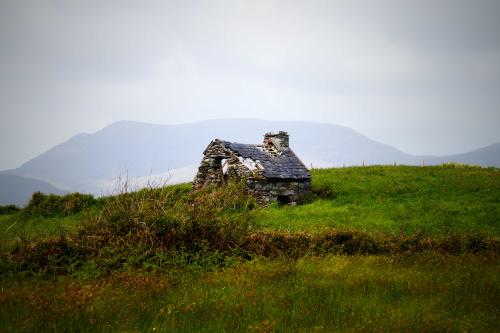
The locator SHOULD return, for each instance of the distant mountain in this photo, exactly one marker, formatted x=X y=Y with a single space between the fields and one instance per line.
x=92 y=162
x=487 y=156
x=17 y=190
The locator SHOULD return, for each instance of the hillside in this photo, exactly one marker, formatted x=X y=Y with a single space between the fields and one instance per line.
x=17 y=190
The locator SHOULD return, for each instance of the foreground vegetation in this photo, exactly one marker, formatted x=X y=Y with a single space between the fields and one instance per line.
x=422 y=293
x=373 y=249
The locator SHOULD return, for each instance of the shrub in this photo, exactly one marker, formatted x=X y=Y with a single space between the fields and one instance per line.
x=8 y=209
x=49 y=205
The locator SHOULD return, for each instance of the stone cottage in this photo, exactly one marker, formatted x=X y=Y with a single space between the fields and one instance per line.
x=271 y=170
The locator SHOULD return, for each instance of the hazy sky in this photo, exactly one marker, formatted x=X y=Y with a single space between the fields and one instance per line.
x=421 y=75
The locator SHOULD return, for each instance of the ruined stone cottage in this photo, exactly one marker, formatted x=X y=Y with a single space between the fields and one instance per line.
x=271 y=170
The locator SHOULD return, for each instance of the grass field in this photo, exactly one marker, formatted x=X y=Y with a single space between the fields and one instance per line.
x=220 y=290
x=434 y=200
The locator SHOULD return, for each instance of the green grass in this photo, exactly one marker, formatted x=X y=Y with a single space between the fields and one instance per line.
x=424 y=293
x=16 y=227
x=434 y=200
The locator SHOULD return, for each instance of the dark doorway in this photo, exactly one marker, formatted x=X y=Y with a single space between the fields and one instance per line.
x=283 y=199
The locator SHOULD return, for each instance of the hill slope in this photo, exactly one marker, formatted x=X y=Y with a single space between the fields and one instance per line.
x=18 y=190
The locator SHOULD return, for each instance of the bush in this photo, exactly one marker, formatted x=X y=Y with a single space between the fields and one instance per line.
x=50 y=205
x=8 y=209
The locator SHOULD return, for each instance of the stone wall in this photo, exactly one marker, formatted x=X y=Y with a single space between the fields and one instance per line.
x=210 y=171
x=274 y=190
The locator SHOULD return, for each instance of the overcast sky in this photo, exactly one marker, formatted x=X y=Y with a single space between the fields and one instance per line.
x=423 y=76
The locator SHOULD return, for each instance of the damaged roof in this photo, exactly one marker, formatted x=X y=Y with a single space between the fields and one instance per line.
x=285 y=165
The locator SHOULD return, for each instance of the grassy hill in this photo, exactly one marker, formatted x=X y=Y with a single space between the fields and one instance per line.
x=373 y=249
x=435 y=200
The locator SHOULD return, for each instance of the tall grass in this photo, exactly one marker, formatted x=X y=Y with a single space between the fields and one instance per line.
x=151 y=227
x=419 y=293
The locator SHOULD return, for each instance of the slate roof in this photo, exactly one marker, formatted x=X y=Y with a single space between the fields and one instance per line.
x=284 y=166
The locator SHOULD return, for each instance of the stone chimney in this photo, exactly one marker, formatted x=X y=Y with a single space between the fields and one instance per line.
x=280 y=140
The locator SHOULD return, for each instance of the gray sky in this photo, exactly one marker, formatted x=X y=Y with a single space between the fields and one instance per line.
x=421 y=75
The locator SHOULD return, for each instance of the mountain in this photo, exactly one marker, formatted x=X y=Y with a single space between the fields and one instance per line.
x=17 y=190
x=487 y=156
x=148 y=152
